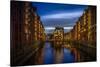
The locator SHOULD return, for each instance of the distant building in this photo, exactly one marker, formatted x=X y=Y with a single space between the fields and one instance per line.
x=58 y=36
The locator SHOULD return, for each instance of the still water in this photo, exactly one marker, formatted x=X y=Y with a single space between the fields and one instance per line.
x=49 y=55
x=52 y=55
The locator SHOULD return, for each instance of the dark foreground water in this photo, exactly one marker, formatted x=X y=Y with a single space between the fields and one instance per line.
x=50 y=55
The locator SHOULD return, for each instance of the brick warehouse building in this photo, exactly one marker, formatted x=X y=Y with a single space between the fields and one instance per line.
x=26 y=30
x=85 y=28
x=84 y=32
x=58 y=36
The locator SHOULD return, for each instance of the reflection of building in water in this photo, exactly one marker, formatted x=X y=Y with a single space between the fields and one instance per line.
x=26 y=28
x=58 y=55
x=58 y=36
x=76 y=54
x=38 y=57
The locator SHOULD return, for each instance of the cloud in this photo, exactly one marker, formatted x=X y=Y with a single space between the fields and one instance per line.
x=49 y=28
x=52 y=28
x=68 y=27
x=62 y=15
x=61 y=18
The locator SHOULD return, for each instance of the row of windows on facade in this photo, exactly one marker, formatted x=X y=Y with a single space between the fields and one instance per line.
x=85 y=28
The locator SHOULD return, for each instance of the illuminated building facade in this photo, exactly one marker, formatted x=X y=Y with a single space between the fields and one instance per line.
x=67 y=36
x=83 y=34
x=26 y=29
x=39 y=30
x=84 y=30
x=58 y=36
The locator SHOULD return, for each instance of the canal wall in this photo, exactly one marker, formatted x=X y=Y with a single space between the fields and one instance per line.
x=86 y=48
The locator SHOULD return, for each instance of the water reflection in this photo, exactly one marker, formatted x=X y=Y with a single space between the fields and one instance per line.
x=38 y=56
x=58 y=55
x=48 y=54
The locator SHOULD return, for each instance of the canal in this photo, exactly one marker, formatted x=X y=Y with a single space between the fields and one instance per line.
x=54 y=55
x=50 y=55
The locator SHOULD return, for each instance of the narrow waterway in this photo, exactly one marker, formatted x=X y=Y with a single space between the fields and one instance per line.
x=47 y=54
x=60 y=55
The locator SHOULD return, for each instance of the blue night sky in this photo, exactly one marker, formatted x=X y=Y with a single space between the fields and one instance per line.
x=53 y=14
